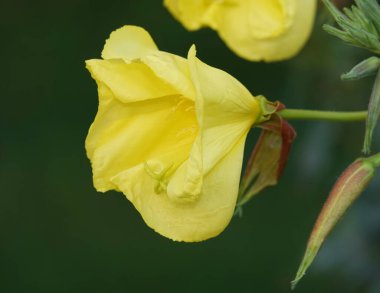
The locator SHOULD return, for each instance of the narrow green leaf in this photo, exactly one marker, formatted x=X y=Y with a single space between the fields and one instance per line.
x=335 y=12
x=371 y=9
x=373 y=115
x=344 y=36
x=359 y=25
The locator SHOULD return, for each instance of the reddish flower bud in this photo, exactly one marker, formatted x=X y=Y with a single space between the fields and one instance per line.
x=347 y=188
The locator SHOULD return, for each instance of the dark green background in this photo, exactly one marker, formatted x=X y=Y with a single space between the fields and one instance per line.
x=57 y=234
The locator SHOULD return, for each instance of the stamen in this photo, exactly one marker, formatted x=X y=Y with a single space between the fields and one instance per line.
x=161 y=177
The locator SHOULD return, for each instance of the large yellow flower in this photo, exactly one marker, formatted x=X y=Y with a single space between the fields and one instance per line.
x=269 y=30
x=169 y=134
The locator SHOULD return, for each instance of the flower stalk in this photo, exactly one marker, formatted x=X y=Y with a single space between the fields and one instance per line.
x=301 y=114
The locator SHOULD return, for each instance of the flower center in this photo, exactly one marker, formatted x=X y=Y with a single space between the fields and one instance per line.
x=161 y=176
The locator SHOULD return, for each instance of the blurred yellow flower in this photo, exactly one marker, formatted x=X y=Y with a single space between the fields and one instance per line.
x=169 y=134
x=269 y=30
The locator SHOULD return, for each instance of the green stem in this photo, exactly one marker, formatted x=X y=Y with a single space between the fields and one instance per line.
x=375 y=160
x=299 y=114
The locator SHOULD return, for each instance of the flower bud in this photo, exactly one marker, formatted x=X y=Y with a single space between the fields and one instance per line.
x=365 y=68
x=347 y=188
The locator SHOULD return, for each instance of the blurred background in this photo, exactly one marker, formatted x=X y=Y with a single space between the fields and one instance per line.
x=59 y=235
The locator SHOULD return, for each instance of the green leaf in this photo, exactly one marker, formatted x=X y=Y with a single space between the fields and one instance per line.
x=359 y=26
x=372 y=10
x=373 y=115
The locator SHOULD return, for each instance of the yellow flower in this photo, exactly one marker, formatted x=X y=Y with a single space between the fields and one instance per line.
x=169 y=134
x=268 y=30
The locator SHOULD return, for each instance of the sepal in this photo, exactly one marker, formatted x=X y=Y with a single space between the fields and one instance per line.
x=269 y=156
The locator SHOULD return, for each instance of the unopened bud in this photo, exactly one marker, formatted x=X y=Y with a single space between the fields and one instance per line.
x=347 y=188
x=365 y=68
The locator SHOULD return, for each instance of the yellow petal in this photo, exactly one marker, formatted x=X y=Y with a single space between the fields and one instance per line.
x=272 y=30
x=225 y=112
x=129 y=42
x=269 y=30
x=190 y=221
x=129 y=82
x=171 y=69
x=124 y=135
x=190 y=13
